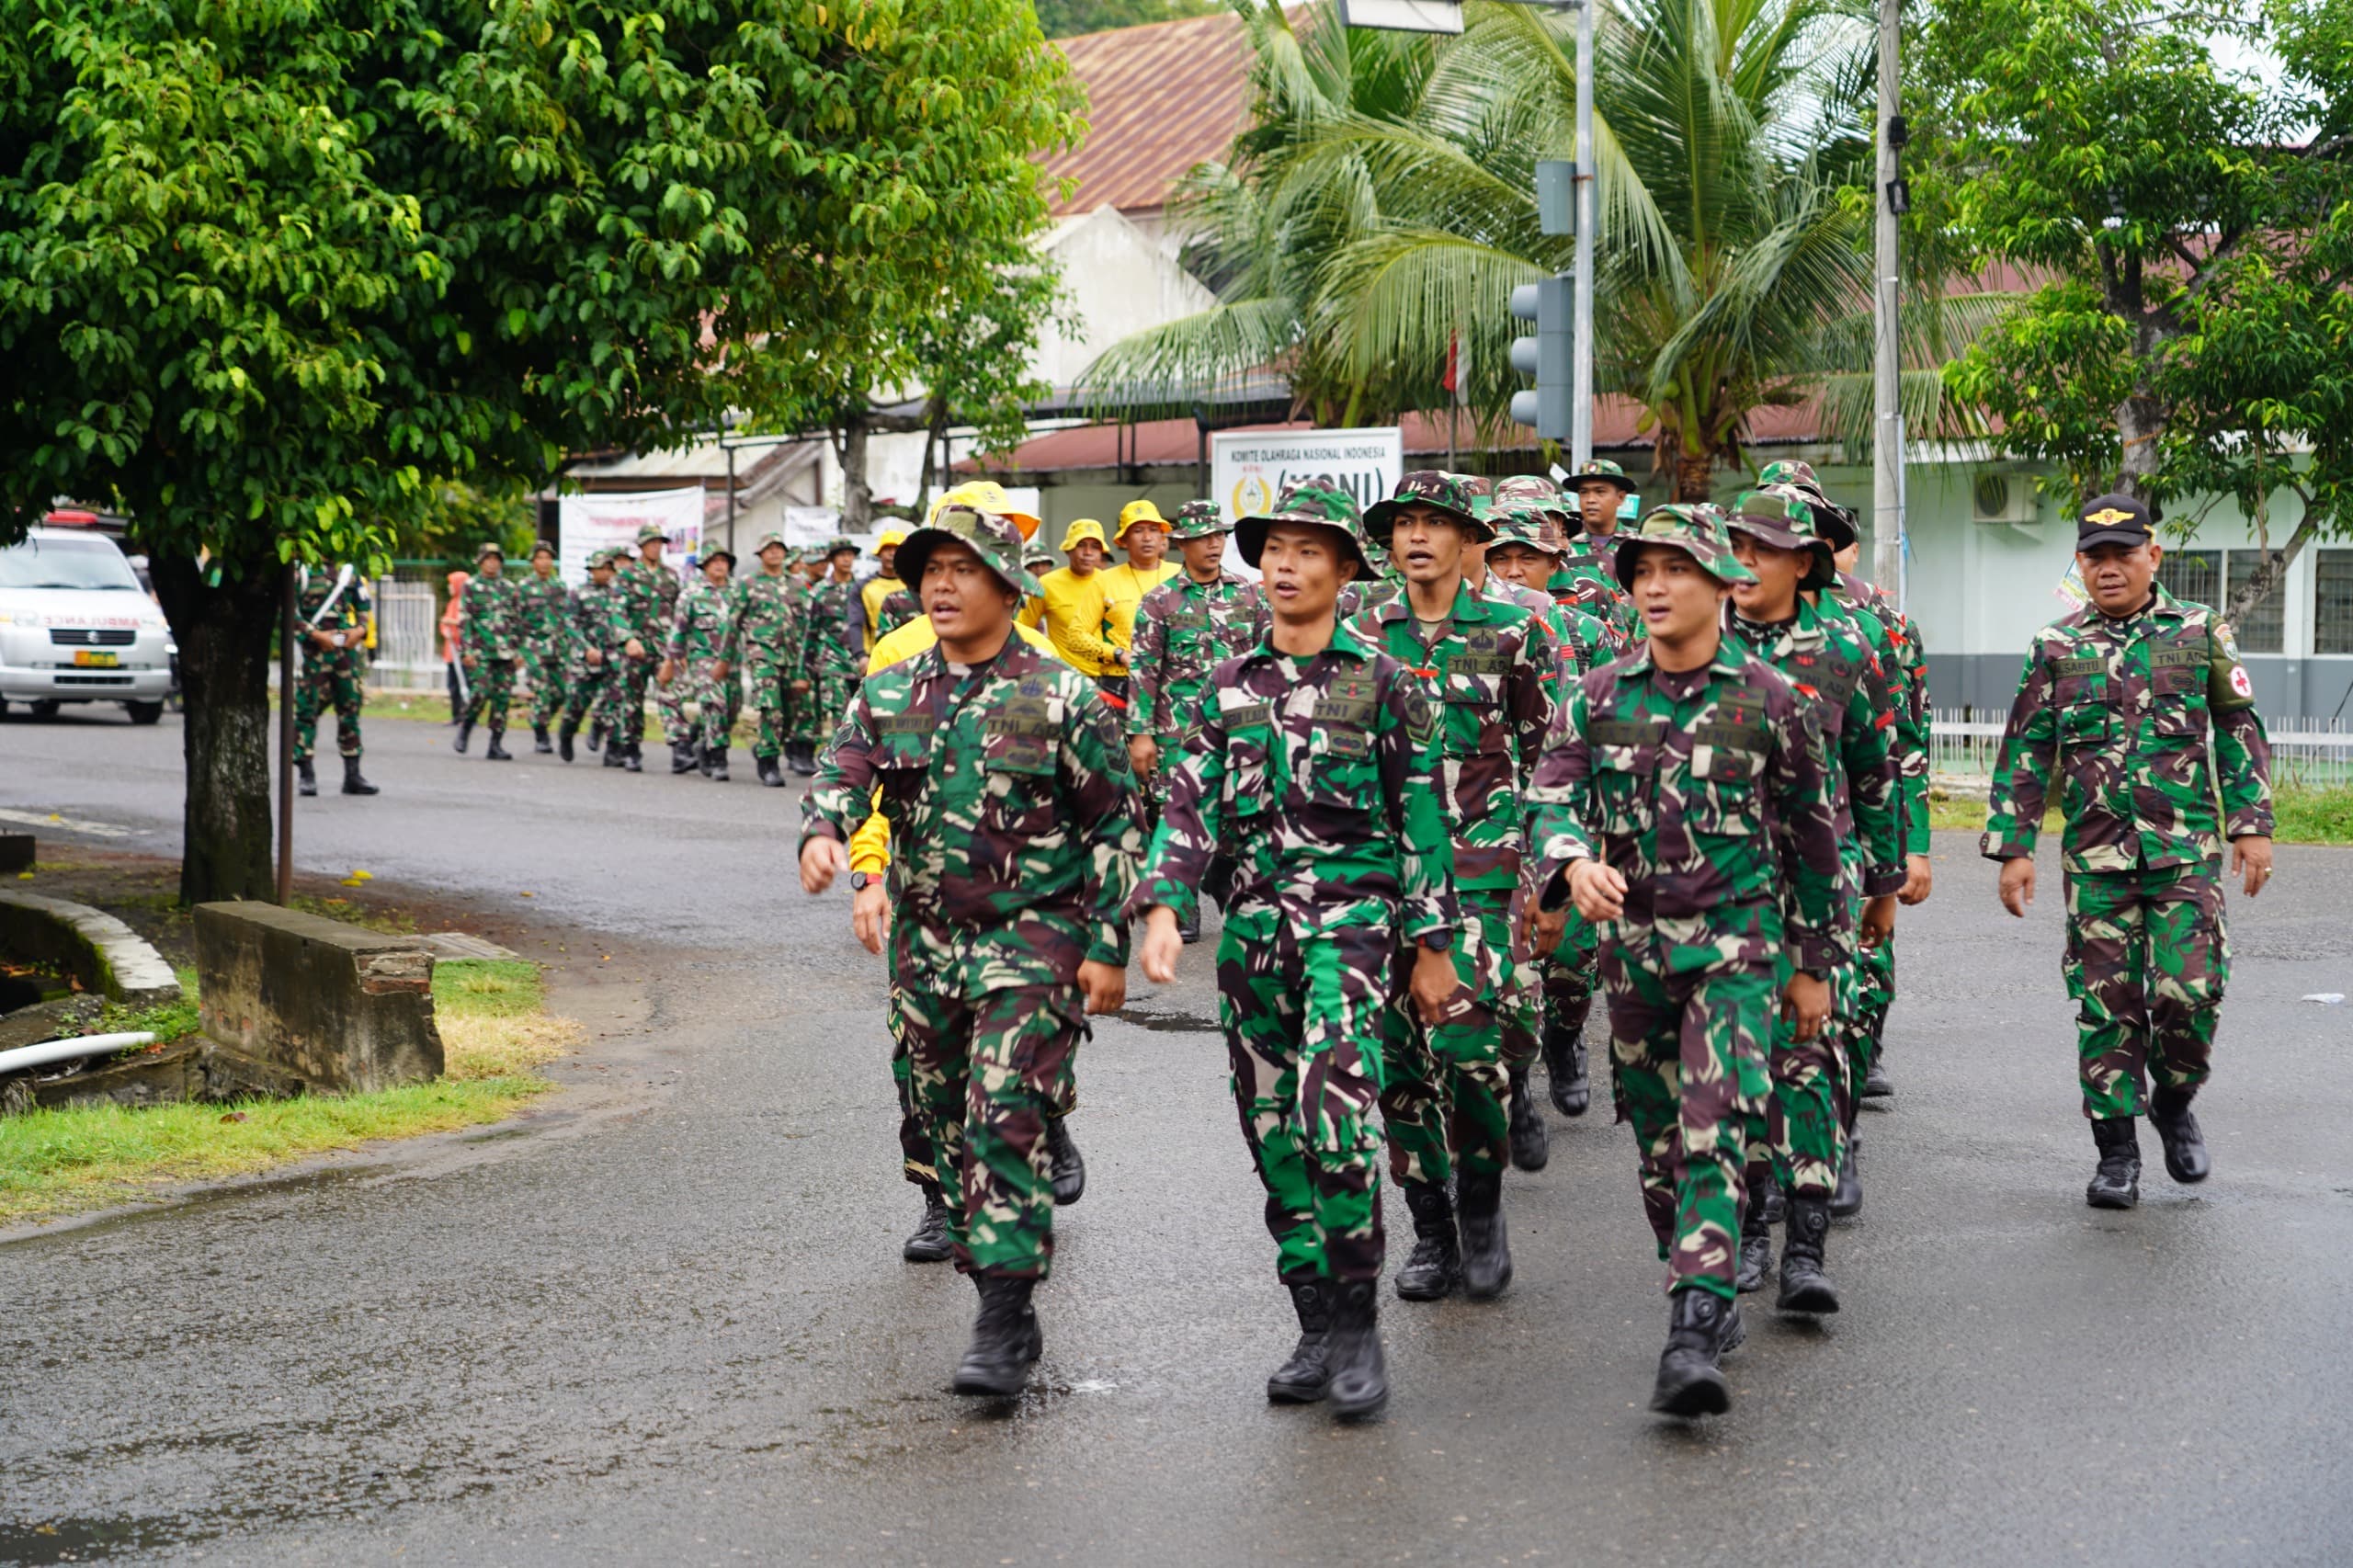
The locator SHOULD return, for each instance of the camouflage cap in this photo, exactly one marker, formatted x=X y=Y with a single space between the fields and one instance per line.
x=710 y=550
x=1788 y=470
x=599 y=558
x=1785 y=523
x=1832 y=523
x=776 y=540
x=1694 y=527
x=545 y=547
x=489 y=547
x=1318 y=502
x=1037 y=557
x=648 y=532
x=1457 y=494
x=1602 y=468
x=1197 y=519
x=1530 y=490
x=996 y=540
x=1522 y=526
x=839 y=543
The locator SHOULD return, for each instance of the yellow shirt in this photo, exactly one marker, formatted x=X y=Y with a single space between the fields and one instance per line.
x=871 y=596
x=1124 y=588
x=870 y=846
x=1072 y=611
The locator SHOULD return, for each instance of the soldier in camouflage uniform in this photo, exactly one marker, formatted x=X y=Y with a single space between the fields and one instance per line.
x=1486 y=667
x=1798 y=1144
x=1601 y=487
x=649 y=591
x=702 y=657
x=775 y=628
x=1312 y=755
x=490 y=644
x=1183 y=629
x=1577 y=577
x=1684 y=801
x=1014 y=844
x=1523 y=550
x=833 y=654
x=333 y=637
x=597 y=633
x=2141 y=705
x=547 y=652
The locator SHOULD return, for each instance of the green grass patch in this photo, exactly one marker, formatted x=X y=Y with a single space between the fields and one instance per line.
x=390 y=922
x=494 y=1033
x=2314 y=816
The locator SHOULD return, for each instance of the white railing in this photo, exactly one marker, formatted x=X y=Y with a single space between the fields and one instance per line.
x=1964 y=743
x=408 y=636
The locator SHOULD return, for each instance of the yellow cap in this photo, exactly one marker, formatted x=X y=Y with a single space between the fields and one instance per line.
x=891 y=538
x=987 y=495
x=1138 y=512
x=1084 y=528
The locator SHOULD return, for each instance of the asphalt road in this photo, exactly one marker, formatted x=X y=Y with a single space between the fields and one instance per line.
x=685 y=1335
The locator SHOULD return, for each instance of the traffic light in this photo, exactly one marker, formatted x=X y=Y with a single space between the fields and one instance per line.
x=1549 y=356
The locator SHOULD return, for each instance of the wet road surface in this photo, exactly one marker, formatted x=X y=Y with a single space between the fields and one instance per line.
x=685 y=1335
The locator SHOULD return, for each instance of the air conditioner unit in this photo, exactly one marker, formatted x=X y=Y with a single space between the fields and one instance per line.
x=2001 y=496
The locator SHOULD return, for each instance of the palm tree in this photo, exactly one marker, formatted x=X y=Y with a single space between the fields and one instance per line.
x=1382 y=207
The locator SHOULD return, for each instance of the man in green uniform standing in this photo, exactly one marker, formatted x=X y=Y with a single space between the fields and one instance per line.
x=702 y=651
x=834 y=652
x=1013 y=845
x=1684 y=800
x=490 y=644
x=597 y=634
x=2141 y=705
x=1313 y=760
x=333 y=627
x=651 y=590
x=1486 y=668
x=775 y=628
x=546 y=608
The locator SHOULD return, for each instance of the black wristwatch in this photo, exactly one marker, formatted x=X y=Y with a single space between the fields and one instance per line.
x=860 y=880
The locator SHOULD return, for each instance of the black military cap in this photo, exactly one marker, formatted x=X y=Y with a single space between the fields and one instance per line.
x=2112 y=519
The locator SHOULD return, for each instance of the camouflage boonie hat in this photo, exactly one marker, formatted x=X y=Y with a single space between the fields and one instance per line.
x=1196 y=519
x=545 y=546
x=489 y=547
x=838 y=543
x=1456 y=493
x=995 y=539
x=712 y=550
x=597 y=557
x=1785 y=523
x=1833 y=524
x=1037 y=558
x=648 y=532
x=1696 y=528
x=1522 y=526
x=1602 y=468
x=1530 y=490
x=1315 y=501
x=776 y=540
x=1788 y=470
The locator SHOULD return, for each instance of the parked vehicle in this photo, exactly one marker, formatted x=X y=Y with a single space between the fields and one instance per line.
x=76 y=626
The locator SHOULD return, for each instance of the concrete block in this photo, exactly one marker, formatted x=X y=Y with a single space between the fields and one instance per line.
x=333 y=1006
x=16 y=851
x=107 y=956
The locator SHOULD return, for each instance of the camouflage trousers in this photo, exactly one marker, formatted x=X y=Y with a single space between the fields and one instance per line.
x=491 y=682
x=1302 y=1015
x=323 y=684
x=587 y=697
x=547 y=665
x=1874 y=994
x=2148 y=954
x=670 y=705
x=1800 y=1133
x=1448 y=1085
x=718 y=699
x=1688 y=1030
x=625 y=699
x=825 y=703
x=915 y=1143
x=770 y=703
x=989 y=1046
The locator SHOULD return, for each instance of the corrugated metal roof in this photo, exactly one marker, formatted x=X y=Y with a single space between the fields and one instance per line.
x=1161 y=98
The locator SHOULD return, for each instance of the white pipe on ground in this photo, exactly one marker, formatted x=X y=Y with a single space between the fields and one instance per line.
x=50 y=1051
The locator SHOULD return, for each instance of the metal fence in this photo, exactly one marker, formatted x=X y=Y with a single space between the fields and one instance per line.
x=408 y=636
x=2313 y=753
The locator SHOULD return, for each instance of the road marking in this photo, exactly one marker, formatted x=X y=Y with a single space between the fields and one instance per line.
x=71 y=825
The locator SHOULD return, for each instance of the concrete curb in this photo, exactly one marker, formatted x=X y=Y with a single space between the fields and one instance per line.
x=99 y=949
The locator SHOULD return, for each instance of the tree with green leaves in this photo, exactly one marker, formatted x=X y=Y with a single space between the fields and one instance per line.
x=2190 y=337
x=270 y=272
x=1068 y=19
x=1382 y=206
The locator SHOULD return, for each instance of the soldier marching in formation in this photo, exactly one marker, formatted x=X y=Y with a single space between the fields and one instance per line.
x=330 y=619
x=547 y=642
x=490 y=644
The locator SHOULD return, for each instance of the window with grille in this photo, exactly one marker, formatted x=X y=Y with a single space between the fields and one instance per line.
x=2195 y=576
x=2262 y=627
x=2333 y=601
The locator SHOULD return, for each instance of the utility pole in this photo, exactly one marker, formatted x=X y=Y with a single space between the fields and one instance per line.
x=1887 y=487
x=1588 y=214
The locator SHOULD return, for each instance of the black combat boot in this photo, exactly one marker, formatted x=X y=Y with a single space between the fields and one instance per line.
x=465 y=735
x=2186 y=1156
x=1847 y=1199
x=1303 y=1378
x=1531 y=1144
x=496 y=751
x=1487 y=1253
x=685 y=756
x=1005 y=1338
x=702 y=759
x=1875 y=1084
x=564 y=739
x=1435 y=1265
x=716 y=761
x=597 y=735
x=930 y=1242
x=634 y=756
x=802 y=758
x=1804 y=1287
x=1565 y=1059
x=308 y=776
x=2116 y=1183
x=1756 y=1234
x=540 y=741
x=1701 y=1326
x=352 y=783
x=1359 y=1385
x=1063 y=1167
x=770 y=774
x=1190 y=927
x=616 y=756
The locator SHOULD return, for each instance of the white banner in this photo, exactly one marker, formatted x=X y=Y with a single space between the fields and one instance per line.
x=1249 y=468
x=591 y=522
x=805 y=526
